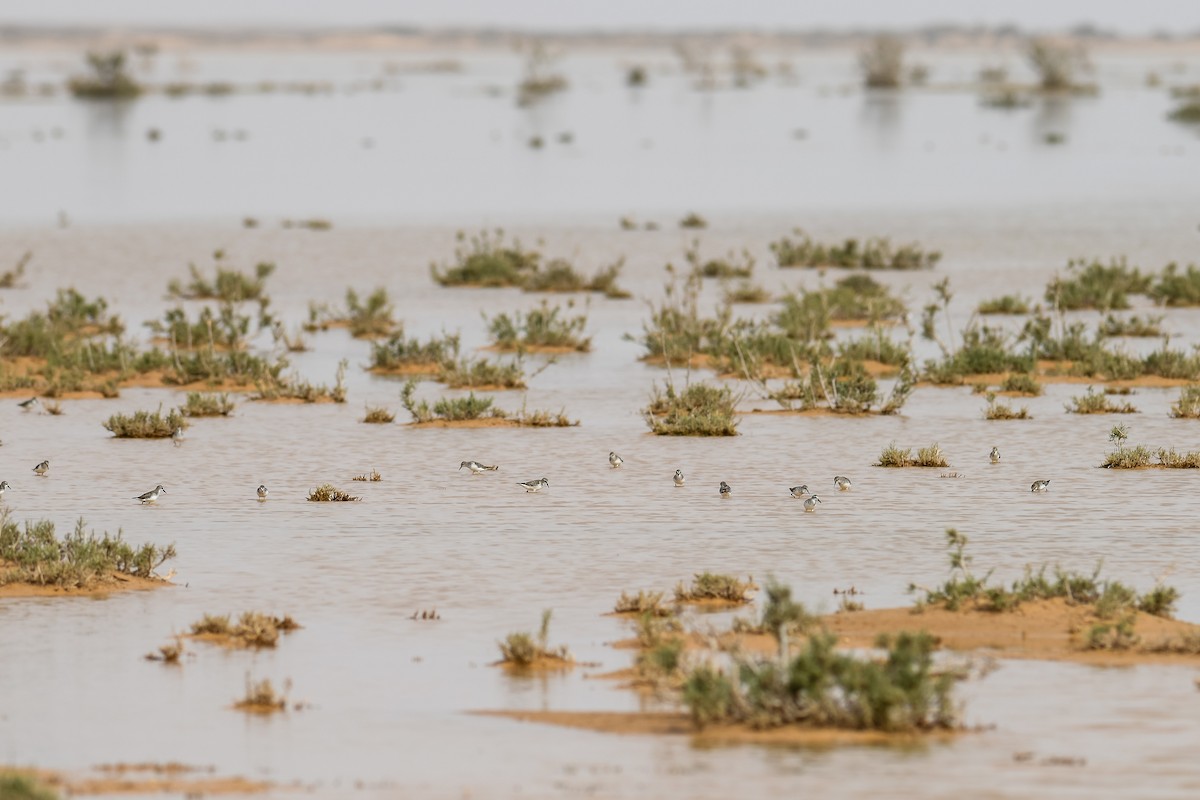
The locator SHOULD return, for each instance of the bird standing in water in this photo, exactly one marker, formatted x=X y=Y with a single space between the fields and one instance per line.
x=679 y=477
x=842 y=482
x=615 y=460
x=994 y=455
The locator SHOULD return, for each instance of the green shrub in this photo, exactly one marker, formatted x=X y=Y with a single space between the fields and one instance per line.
x=997 y=410
x=80 y=560
x=1187 y=112
x=200 y=404
x=145 y=424
x=226 y=285
x=540 y=327
x=1021 y=383
x=1006 y=304
x=882 y=63
x=1095 y=285
x=872 y=253
x=1131 y=326
x=108 y=79
x=327 y=492
x=1187 y=406
x=398 y=354
x=1175 y=288
x=931 y=456
x=642 y=603
x=371 y=317
x=477 y=373
x=711 y=586
x=699 y=410
x=524 y=650
x=486 y=260
x=1098 y=403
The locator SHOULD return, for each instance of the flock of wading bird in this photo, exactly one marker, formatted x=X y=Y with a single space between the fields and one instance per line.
x=800 y=492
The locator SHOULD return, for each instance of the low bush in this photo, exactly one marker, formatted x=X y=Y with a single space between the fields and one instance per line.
x=1094 y=402
x=524 y=650
x=327 y=492
x=145 y=424
x=707 y=586
x=699 y=410
x=199 y=404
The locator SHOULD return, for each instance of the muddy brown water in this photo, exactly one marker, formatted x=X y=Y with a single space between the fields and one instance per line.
x=388 y=693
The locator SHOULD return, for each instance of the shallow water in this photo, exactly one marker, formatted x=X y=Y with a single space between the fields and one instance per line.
x=387 y=693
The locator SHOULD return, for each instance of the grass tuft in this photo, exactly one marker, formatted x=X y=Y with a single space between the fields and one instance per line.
x=642 y=603
x=523 y=650
x=708 y=586
x=378 y=415
x=1098 y=403
x=200 y=404
x=699 y=410
x=145 y=424
x=931 y=456
x=328 y=493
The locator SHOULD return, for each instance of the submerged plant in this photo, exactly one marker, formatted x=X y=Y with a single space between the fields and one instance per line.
x=642 y=603
x=699 y=410
x=539 y=328
x=708 y=586
x=199 y=404
x=524 y=650
x=327 y=492
x=1094 y=402
x=145 y=424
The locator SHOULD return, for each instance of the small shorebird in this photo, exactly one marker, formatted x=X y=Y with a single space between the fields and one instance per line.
x=534 y=486
x=177 y=436
x=994 y=455
x=477 y=468
x=42 y=468
x=4 y=487
x=29 y=405
x=615 y=460
x=842 y=482
x=811 y=503
x=679 y=477
x=262 y=491
x=1040 y=486
x=152 y=495
x=725 y=490
x=799 y=491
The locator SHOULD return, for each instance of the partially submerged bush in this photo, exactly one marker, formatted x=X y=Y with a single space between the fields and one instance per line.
x=524 y=650
x=1094 y=402
x=882 y=63
x=80 y=560
x=539 y=328
x=699 y=410
x=252 y=629
x=370 y=477
x=371 y=317
x=378 y=415
x=411 y=356
x=931 y=456
x=821 y=687
x=479 y=373
x=327 y=492
x=708 y=587
x=1108 y=599
x=1187 y=406
x=1006 y=304
x=145 y=424
x=108 y=78
x=12 y=277
x=262 y=697
x=200 y=404
x=998 y=410
x=1096 y=285
x=1176 y=288
x=1147 y=326
x=1021 y=383
x=872 y=253
x=1188 y=112
x=226 y=285
x=486 y=260
x=1054 y=64
x=692 y=220
x=642 y=603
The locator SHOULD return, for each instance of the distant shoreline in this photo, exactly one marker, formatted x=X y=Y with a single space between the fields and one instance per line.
x=398 y=37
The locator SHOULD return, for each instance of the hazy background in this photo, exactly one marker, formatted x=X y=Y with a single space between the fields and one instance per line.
x=1132 y=18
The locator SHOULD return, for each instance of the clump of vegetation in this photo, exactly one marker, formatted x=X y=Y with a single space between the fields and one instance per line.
x=226 y=285
x=371 y=477
x=479 y=373
x=252 y=629
x=1188 y=112
x=643 y=602
x=711 y=587
x=145 y=424
x=855 y=298
x=33 y=554
x=699 y=410
x=1176 y=288
x=931 y=456
x=1169 y=459
x=820 y=687
x=10 y=278
x=1098 y=403
x=1123 y=457
x=108 y=79
x=998 y=410
x=467 y=408
x=523 y=650
x=540 y=328
x=693 y=221
x=1021 y=383
x=199 y=404
x=16 y=786
x=732 y=265
x=1117 y=635
x=1187 y=406
x=1092 y=284
x=1147 y=326
x=1005 y=304
x=327 y=492
x=882 y=63
x=486 y=260
x=540 y=80
x=296 y=388
x=411 y=356
x=371 y=317
x=262 y=697
x=1054 y=64
x=1109 y=599
x=873 y=253
x=225 y=329
x=378 y=415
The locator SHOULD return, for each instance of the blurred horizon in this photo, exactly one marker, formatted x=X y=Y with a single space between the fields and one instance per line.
x=1151 y=17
